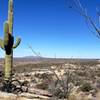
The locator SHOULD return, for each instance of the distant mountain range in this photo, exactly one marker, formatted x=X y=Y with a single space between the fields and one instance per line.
x=38 y=57
x=33 y=57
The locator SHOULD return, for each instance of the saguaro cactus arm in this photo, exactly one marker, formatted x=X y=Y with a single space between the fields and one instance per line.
x=1 y=44
x=18 y=40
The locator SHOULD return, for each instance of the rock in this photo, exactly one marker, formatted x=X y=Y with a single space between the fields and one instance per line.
x=90 y=97
x=7 y=96
x=40 y=92
x=33 y=96
x=93 y=92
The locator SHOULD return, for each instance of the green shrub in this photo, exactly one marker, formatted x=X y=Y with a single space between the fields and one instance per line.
x=86 y=87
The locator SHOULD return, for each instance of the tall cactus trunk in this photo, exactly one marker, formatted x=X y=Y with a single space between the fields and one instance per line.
x=8 y=67
x=7 y=44
x=9 y=57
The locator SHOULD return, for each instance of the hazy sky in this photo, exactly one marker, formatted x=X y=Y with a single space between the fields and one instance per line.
x=51 y=28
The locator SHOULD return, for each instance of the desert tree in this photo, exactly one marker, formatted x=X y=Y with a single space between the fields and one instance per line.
x=77 y=6
x=61 y=85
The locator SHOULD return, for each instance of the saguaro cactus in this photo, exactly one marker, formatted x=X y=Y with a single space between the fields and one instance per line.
x=7 y=44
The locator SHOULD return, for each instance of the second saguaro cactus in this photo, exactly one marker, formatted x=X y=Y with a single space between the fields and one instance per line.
x=7 y=44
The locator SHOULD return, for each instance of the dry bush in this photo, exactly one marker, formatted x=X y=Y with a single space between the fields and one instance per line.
x=62 y=85
x=86 y=87
x=42 y=85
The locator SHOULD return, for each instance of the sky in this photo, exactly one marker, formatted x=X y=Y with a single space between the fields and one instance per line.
x=52 y=29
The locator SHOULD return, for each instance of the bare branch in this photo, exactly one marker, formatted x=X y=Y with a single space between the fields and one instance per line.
x=94 y=33
x=37 y=54
x=83 y=12
x=98 y=13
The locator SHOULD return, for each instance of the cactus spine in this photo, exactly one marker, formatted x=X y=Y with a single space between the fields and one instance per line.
x=7 y=44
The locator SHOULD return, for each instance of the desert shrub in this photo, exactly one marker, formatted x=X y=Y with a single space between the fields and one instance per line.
x=27 y=75
x=33 y=81
x=98 y=83
x=37 y=75
x=59 y=93
x=42 y=85
x=43 y=76
x=81 y=73
x=78 y=82
x=86 y=87
x=98 y=73
x=63 y=84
